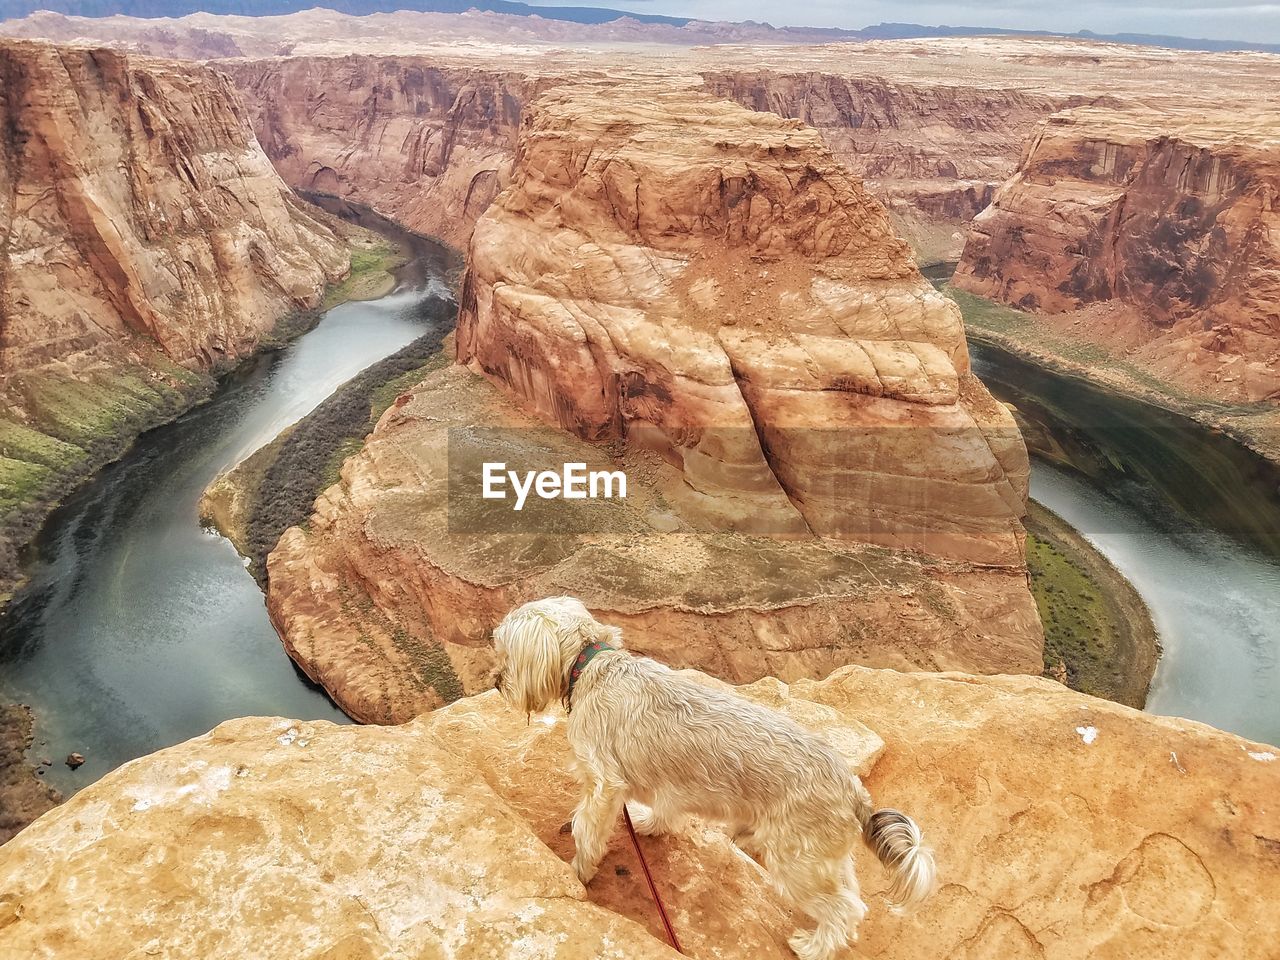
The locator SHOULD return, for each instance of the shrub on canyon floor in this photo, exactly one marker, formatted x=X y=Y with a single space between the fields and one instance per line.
x=370 y=275
x=281 y=482
x=289 y=327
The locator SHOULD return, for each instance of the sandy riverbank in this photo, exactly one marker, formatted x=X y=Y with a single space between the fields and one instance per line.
x=23 y=795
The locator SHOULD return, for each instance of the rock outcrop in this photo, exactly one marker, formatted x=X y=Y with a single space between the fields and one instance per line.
x=1064 y=827
x=137 y=203
x=430 y=140
x=698 y=296
x=1156 y=234
x=932 y=124
x=144 y=239
x=425 y=144
x=710 y=283
x=388 y=597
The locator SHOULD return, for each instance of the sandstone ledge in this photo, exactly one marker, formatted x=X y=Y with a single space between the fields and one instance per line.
x=1065 y=827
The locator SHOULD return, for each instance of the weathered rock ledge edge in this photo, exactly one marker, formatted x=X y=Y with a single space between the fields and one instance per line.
x=1065 y=827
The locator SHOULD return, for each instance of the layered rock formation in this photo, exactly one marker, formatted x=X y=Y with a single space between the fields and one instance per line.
x=1064 y=827
x=167 y=221
x=1159 y=234
x=933 y=124
x=427 y=145
x=388 y=597
x=933 y=152
x=701 y=297
x=145 y=238
x=429 y=140
x=711 y=284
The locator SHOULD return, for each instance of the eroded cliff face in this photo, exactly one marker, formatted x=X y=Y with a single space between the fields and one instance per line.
x=1157 y=234
x=701 y=297
x=430 y=141
x=710 y=283
x=934 y=153
x=136 y=202
x=1064 y=827
x=428 y=145
x=144 y=239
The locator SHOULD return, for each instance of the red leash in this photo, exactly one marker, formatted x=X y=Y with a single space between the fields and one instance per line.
x=653 y=890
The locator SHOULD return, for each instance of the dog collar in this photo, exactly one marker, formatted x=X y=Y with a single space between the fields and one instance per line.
x=586 y=656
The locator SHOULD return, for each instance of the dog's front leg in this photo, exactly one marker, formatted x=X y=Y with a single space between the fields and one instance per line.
x=593 y=823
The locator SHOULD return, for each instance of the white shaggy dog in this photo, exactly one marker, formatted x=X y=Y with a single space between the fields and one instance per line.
x=640 y=732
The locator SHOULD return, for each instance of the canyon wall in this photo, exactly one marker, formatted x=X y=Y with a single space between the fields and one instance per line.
x=887 y=129
x=701 y=297
x=934 y=152
x=429 y=141
x=1155 y=231
x=137 y=203
x=1064 y=828
x=427 y=145
x=144 y=239
x=356 y=105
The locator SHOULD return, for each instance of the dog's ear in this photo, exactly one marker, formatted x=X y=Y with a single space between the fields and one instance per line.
x=534 y=676
x=608 y=634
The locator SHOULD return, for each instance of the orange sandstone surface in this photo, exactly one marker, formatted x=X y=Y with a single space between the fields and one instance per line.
x=1064 y=827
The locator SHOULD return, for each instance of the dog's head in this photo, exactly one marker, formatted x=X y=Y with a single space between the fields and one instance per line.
x=537 y=645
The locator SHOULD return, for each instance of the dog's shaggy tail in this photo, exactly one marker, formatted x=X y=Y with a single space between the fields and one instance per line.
x=897 y=842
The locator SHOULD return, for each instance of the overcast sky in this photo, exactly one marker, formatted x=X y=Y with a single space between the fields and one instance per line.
x=1228 y=20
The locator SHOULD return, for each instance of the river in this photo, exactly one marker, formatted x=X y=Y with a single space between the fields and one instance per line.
x=139 y=629
x=1189 y=516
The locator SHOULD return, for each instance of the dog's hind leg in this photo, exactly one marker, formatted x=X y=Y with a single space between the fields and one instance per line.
x=826 y=890
x=593 y=824
x=655 y=819
x=746 y=840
